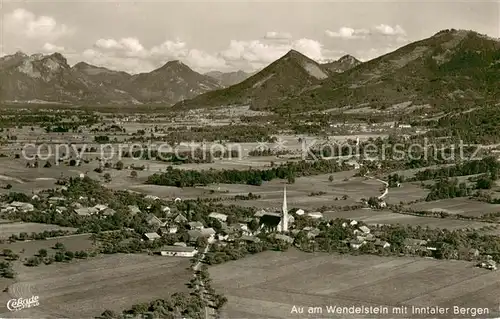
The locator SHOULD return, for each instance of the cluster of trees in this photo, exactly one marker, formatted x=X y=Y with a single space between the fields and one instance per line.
x=487 y=165
x=448 y=188
x=6 y=270
x=226 y=133
x=197 y=156
x=250 y=196
x=39 y=236
x=394 y=180
x=320 y=193
x=62 y=255
x=101 y=139
x=267 y=152
x=177 y=305
x=290 y=170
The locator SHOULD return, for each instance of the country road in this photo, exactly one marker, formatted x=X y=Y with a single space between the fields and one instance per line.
x=210 y=312
x=386 y=190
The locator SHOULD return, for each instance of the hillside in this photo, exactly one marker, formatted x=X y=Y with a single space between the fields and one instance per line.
x=343 y=64
x=227 y=79
x=452 y=69
x=284 y=78
x=169 y=84
x=102 y=75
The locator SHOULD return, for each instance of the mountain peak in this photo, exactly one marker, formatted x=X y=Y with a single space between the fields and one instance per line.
x=20 y=54
x=58 y=57
x=82 y=65
x=347 y=57
x=295 y=55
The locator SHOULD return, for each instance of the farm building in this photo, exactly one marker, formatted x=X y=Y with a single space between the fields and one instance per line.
x=382 y=243
x=251 y=239
x=411 y=242
x=364 y=229
x=208 y=233
x=100 y=207
x=195 y=225
x=168 y=230
x=315 y=215
x=356 y=244
x=23 y=207
x=180 y=219
x=218 y=216
x=300 y=212
x=86 y=211
x=151 y=236
x=154 y=221
x=177 y=251
x=134 y=210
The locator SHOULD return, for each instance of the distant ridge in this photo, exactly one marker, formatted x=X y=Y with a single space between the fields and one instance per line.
x=49 y=78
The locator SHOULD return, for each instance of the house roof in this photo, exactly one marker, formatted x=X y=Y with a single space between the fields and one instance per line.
x=134 y=209
x=208 y=231
x=152 y=219
x=100 y=207
x=219 y=216
x=195 y=224
x=152 y=235
x=187 y=249
x=414 y=242
x=250 y=238
x=364 y=229
x=180 y=218
x=315 y=214
x=86 y=211
x=109 y=211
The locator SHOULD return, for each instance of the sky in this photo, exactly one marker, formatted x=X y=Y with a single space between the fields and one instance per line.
x=228 y=35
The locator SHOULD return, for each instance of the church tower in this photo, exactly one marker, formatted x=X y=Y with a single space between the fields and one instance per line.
x=284 y=216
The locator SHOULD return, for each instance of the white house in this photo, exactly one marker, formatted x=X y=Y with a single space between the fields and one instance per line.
x=178 y=251
x=218 y=216
x=195 y=225
x=364 y=229
x=100 y=207
x=354 y=223
x=133 y=210
x=86 y=211
x=152 y=236
x=315 y=215
x=356 y=244
x=382 y=243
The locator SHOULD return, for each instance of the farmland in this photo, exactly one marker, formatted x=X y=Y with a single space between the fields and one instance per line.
x=462 y=206
x=30 y=248
x=268 y=285
x=84 y=289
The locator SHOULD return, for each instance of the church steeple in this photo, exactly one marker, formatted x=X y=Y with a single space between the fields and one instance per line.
x=284 y=216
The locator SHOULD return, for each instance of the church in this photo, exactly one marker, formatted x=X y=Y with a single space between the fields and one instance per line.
x=276 y=221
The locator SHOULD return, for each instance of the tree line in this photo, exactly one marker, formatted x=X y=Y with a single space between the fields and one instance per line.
x=289 y=171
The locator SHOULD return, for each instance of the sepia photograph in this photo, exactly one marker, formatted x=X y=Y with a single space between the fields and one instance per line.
x=249 y=159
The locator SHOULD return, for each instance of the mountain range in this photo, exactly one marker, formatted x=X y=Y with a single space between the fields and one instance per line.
x=49 y=78
x=449 y=69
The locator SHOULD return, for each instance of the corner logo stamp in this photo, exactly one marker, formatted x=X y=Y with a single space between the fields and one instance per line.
x=19 y=304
